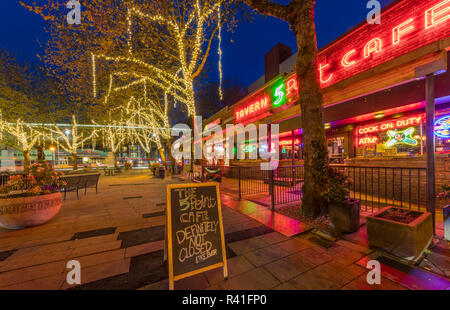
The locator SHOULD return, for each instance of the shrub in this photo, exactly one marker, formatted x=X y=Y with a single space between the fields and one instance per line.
x=337 y=188
x=41 y=180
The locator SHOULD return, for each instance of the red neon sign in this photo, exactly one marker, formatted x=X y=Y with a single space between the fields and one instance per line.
x=253 y=109
x=368 y=141
x=406 y=26
x=279 y=93
x=289 y=142
x=390 y=125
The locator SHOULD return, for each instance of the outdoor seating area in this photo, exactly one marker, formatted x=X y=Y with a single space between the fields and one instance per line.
x=225 y=145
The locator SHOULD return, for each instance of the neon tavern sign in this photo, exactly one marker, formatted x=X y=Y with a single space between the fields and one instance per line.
x=273 y=96
x=424 y=22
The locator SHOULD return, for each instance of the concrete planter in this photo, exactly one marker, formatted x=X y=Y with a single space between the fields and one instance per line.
x=17 y=213
x=446 y=211
x=408 y=241
x=344 y=217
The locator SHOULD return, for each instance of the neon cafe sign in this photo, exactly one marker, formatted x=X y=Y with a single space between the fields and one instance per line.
x=366 y=134
x=407 y=26
x=279 y=93
x=424 y=22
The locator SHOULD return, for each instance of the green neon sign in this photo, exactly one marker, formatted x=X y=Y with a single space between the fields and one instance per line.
x=249 y=149
x=279 y=95
x=401 y=137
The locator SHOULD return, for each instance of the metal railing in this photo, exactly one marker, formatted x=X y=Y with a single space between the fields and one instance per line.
x=378 y=187
x=375 y=187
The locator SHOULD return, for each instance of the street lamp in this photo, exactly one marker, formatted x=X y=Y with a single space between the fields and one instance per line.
x=52 y=149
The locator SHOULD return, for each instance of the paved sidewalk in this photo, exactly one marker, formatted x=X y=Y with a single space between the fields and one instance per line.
x=118 y=237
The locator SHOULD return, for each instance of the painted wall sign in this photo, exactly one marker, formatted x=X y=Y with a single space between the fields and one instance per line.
x=442 y=127
x=406 y=26
x=195 y=236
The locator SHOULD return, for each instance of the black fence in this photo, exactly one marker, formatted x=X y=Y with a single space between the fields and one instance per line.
x=378 y=187
x=375 y=187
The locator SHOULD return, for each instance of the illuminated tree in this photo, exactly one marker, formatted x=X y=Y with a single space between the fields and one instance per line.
x=71 y=140
x=20 y=136
x=300 y=16
x=147 y=126
x=182 y=33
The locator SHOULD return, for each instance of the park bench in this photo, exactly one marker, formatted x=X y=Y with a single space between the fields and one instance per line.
x=77 y=182
x=72 y=184
x=90 y=181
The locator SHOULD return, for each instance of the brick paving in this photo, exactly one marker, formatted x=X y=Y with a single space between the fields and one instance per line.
x=118 y=237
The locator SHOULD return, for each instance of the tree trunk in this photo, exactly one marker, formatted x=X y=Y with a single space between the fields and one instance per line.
x=173 y=162
x=40 y=154
x=311 y=102
x=26 y=161
x=163 y=157
x=74 y=162
x=115 y=160
x=300 y=15
x=149 y=157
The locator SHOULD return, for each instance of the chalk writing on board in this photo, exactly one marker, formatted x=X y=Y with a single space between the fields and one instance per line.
x=192 y=239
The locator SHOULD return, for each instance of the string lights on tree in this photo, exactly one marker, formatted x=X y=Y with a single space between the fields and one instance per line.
x=20 y=136
x=72 y=141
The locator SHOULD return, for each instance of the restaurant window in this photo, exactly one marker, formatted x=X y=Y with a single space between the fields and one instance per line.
x=336 y=147
x=286 y=149
x=397 y=137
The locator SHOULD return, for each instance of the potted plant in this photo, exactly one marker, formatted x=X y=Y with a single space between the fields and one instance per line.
x=30 y=200
x=445 y=196
x=343 y=211
x=402 y=232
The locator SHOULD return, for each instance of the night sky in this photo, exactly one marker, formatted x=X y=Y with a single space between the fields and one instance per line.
x=243 y=58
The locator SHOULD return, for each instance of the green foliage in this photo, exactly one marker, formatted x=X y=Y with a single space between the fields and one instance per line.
x=337 y=188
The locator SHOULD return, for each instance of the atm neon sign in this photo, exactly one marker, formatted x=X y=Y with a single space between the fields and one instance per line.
x=424 y=22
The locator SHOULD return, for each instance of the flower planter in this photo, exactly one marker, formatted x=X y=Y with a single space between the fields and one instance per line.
x=447 y=222
x=344 y=217
x=408 y=241
x=17 y=213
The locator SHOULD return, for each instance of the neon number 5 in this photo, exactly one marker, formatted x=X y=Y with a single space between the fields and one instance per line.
x=279 y=94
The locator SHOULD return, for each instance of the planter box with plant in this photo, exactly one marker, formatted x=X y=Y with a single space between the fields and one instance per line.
x=401 y=232
x=31 y=200
x=343 y=211
x=445 y=196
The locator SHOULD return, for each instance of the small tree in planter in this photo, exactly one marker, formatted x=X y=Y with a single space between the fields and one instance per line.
x=343 y=211
x=32 y=199
x=445 y=196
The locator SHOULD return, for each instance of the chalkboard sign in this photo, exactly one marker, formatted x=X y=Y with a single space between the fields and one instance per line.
x=194 y=230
